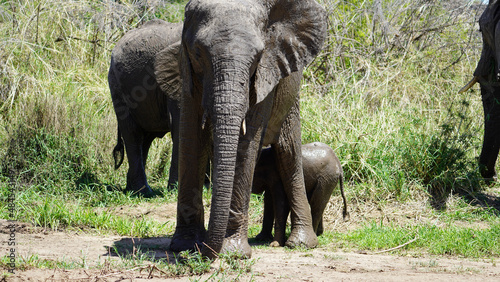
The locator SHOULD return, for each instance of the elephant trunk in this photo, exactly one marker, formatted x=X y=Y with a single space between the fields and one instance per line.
x=227 y=113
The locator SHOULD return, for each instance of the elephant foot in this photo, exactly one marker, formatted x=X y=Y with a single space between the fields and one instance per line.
x=278 y=240
x=190 y=240
x=302 y=237
x=275 y=244
x=264 y=236
x=491 y=180
x=234 y=246
x=172 y=186
x=237 y=246
x=319 y=230
x=489 y=175
x=145 y=191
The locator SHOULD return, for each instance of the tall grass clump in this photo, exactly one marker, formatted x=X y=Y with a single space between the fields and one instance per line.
x=383 y=94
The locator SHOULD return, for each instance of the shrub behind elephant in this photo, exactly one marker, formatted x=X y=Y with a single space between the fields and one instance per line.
x=322 y=173
x=145 y=87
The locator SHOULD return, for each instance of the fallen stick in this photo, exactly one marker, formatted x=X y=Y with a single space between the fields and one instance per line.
x=398 y=247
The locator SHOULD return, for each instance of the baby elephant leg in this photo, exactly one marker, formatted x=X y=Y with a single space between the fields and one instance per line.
x=268 y=219
x=281 y=211
x=318 y=201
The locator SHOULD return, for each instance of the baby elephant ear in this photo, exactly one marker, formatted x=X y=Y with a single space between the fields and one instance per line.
x=167 y=70
x=295 y=34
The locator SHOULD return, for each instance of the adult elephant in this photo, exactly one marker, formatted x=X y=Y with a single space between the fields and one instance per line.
x=145 y=86
x=487 y=73
x=241 y=67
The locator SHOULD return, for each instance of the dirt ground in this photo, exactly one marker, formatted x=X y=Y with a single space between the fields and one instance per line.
x=321 y=264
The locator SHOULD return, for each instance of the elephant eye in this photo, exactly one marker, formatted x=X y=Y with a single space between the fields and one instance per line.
x=256 y=62
x=253 y=96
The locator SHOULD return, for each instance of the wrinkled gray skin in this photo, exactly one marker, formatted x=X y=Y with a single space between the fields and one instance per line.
x=145 y=86
x=322 y=173
x=242 y=63
x=488 y=74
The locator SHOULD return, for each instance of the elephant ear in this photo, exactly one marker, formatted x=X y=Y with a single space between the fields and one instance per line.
x=167 y=69
x=295 y=33
x=486 y=61
x=489 y=25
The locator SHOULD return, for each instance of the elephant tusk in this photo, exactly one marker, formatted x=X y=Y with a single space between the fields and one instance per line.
x=469 y=85
x=244 y=127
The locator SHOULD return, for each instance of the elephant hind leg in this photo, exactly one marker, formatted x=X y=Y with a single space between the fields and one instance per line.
x=134 y=138
x=146 y=144
x=318 y=201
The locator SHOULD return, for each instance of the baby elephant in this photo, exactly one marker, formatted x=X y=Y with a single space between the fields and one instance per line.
x=322 y=172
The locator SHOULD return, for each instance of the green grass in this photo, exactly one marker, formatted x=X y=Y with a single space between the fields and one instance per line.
x=186 y=263
x=58 y=211
x=385 y=99
x=430 y=239
x=34 y=261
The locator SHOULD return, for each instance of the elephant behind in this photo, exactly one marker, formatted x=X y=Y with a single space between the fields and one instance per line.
x=322 y=173
x=145 y=86
x=487 y=73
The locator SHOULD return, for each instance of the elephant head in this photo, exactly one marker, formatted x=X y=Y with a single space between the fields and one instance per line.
x=235 y=53
x=487 y=73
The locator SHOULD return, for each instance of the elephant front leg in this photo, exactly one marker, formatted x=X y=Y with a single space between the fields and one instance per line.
x=289 y=161
x=236 y=239
x=491 y=139
x=190 y=229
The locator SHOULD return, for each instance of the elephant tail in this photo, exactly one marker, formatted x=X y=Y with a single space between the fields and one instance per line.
x=118 y=151
x=345 y=213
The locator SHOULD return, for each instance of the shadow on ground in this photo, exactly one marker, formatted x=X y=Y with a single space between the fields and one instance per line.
x=482 y=199
x=477 y=193
x=152 y=249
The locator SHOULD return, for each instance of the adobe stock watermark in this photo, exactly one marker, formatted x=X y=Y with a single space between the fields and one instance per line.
x=11 y=227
